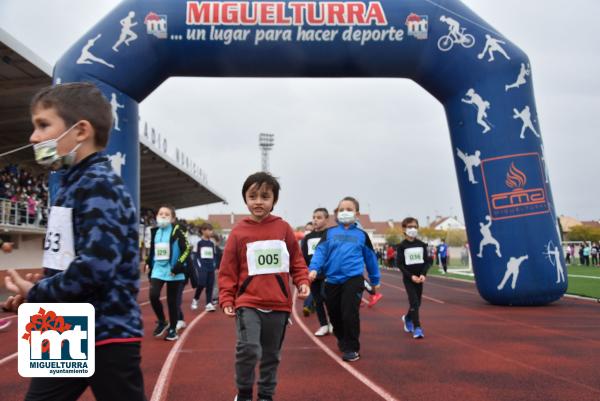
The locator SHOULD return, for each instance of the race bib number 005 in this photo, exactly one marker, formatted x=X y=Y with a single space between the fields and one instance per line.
x=267 y=257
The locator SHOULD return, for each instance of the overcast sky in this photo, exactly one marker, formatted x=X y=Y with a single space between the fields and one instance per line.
x=360 y=137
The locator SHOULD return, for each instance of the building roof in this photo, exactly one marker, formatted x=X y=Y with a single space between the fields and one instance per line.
x=23 y=73
x=567 y=223
x=226 y=221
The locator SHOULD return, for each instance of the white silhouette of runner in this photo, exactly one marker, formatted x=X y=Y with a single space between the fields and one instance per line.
x=525 y=116
x=521 y=79
x=87 y=57
x=512 y=269
x=470 y=162
x=492 y=45
x=560 y=272
x=488 y=239
x=481 y=105
x=115 y=106
x=127 y=35
x=117 y=161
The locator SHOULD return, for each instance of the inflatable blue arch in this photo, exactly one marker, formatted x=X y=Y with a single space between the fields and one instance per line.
x=483 y=80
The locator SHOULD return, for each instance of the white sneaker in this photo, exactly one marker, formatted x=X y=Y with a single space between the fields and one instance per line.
x=330 y=326
x=180 y=325
x=194 y=304
x=210 y=308
x=323 y=331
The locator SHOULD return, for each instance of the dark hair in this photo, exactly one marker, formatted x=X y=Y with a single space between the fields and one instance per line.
x=206 y=226
x=322 y=210
x=170 y=207
x=409 y=220
x=259 y=179
x=351 y=199
x=78 y=101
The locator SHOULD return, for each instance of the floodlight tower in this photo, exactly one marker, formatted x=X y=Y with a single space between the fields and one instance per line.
x=265 y=142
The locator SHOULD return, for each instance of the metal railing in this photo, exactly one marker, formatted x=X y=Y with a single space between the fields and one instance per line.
x=18 y=214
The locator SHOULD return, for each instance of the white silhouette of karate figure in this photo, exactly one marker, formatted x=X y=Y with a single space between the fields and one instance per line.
x=560 y=272
x=492 y=45
x=127 y=35
x=512 y=269
x=521 y=79
x=470 y=162
x=115 y=106
x=117 y=161
x=488 y=239
x=87 y=57
x=482 y=106
x=525 y=116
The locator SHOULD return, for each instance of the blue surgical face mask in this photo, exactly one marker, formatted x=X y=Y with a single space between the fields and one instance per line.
x=162 y=222
x=46 y=153
x=346 y=217
x=412 y=232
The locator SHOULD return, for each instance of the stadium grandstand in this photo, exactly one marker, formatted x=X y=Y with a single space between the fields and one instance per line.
x=23 y=184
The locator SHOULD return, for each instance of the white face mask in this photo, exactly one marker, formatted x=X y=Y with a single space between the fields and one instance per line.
x=162 y=222
x=46 y=153
x=412 y=232
x=346 y=217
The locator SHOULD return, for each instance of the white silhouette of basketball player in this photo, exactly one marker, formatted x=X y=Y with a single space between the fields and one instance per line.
x=87 y=57
x=512 y=269
x=117 y=161
x=482 y=106
x=470 y=162
x=488 y=239
x=521 y=79
x=560 y=271
x=127 y=35
x=525 y=116
x=115 y=106
x=492 y=45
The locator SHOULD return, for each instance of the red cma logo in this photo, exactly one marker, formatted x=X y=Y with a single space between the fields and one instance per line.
x=516 y=180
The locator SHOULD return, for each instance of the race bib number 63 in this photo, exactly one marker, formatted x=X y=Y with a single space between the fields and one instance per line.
x=267 y=257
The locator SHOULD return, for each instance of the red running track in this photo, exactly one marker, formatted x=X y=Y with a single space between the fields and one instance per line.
x=472 y=351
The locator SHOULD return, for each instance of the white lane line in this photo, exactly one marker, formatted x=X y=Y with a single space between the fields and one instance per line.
x=580 y=276
x=439 y=301
x=365 y=380
x=8 y=358
x=164 y=378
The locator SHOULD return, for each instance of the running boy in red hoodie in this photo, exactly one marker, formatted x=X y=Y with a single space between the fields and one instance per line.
x=254 y=285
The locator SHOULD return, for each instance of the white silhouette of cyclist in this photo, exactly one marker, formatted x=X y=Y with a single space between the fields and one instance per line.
x=127 y=35
x=525 y=116
x=521 y=79
x=87 y=57
x=488 y=239
x=115 y=106
x=455 y=35
x=512 y=269
x=470 y=162
x=481 y=105
x=492 y=45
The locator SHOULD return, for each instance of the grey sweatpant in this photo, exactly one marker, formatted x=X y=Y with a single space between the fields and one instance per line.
x=259 y=339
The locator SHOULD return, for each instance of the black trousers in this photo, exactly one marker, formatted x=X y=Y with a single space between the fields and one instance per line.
x=117 y=377
x=444 y=262
x=210 y=284
x=173 y=288
x=317 y=291
x=414 y=292
x=343 y=305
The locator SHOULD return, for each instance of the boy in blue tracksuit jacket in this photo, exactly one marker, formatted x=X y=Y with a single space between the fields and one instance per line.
x=341 y=257
x=91 y=247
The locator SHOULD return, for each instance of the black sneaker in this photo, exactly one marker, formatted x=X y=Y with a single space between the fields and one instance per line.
x=262 y=397
x=350 y=356
x=172 y=335
x=161 y=329
x=240 y=398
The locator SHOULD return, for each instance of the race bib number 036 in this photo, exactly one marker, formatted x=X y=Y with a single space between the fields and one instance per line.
x=413 y=256
x=267 y=257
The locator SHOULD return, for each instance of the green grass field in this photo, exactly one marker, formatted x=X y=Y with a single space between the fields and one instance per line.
x=587 y=286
